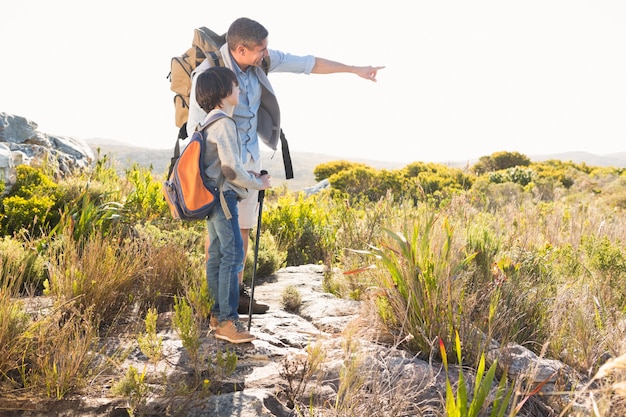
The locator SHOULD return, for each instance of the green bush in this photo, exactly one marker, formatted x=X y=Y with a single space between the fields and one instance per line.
x=269 y=257
x=30 y=181
x=416 y=182
x=145 y=200
x=357 y=183
x=33 y=214
x=499 y=161
x=324 y=171
x=301 y=227
x=32 y=203
x=419 y=274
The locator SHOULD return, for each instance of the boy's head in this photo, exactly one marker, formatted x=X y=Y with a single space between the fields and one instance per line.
x=213 y=86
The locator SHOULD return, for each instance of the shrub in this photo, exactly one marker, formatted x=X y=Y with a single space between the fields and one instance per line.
x=14 y=323
x=291 y=299
x=31 y=203
x=301 y=227
x=269 y=258
x=61 y=353
x=498 y=161
x=324 y=171
x=145 y=200
x=419 y=273
x=174 y=264
x=356 y=183
x=438 y=177
x=20 y=213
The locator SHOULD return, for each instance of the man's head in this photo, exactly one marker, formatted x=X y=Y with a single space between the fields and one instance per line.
x=247 y=41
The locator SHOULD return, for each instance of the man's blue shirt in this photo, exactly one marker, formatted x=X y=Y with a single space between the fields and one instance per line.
x=246 y=111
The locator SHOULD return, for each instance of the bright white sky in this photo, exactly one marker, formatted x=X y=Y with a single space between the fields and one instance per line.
x=463 y=78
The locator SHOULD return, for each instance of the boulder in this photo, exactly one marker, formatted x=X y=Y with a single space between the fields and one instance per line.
x=21 y=143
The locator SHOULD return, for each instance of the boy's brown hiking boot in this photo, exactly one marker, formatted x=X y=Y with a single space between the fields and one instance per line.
x=213 y=323
x=244 y=303
x=233 y=332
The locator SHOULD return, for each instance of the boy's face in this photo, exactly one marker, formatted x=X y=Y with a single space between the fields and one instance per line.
x=233 y=98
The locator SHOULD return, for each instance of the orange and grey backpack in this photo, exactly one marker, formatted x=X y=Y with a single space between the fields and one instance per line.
x=188 y=192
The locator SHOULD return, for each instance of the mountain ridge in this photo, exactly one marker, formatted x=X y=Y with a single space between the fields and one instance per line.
x=305 y=162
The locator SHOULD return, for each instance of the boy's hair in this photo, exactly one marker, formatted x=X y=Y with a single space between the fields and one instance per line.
x=213 y=86
x=246 y=32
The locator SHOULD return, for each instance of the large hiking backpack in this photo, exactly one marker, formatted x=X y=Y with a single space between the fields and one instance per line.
x=187 y=190
x=206 y=43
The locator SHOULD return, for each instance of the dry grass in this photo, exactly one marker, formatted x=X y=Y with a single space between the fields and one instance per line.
x=62 y=350
x=99 y=273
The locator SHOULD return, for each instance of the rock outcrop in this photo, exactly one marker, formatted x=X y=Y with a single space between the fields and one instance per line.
x=22 y=143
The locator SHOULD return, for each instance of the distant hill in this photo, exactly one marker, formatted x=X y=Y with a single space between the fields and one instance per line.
x=304 y=162
x=611 y=160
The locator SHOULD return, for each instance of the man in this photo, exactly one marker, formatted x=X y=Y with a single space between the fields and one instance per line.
x=258 y=115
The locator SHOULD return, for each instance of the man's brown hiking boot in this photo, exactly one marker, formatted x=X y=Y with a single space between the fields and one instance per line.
x=244 y=303
x=213 y=322
x=233 y=332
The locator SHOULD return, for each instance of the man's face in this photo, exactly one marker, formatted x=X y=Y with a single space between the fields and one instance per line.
x=246 y=57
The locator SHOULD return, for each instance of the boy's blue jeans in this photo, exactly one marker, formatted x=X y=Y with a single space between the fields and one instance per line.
x=225 y=259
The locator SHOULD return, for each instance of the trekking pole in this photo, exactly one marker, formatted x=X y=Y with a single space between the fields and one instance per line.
x=256 y=252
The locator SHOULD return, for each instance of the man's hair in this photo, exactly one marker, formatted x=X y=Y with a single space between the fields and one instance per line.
x=246 y=32
x=213 y=86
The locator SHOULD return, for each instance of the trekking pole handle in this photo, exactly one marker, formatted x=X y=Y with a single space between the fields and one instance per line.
x=262 y=192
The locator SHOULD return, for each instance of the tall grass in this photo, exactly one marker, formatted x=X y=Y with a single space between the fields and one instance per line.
x=419 y=270
x=14 y=322
x=97 y=272
x=62 y=353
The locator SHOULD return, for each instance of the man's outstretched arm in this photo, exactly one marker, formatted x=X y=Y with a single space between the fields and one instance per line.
x=326 y=66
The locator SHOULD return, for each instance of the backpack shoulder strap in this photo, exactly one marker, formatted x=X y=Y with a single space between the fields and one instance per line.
x=213 y=117
x=265 y=64
x=201 y=128
x=216 y=57
x=209 y=43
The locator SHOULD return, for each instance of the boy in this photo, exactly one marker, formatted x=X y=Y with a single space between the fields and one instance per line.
x=217 y=90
